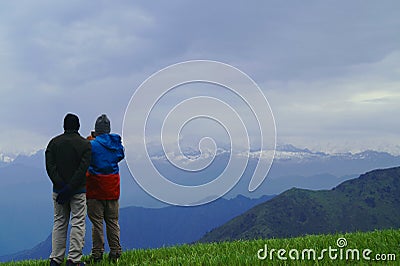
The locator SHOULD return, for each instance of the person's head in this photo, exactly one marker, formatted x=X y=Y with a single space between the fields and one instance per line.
x=71 y=122
x=102 y=125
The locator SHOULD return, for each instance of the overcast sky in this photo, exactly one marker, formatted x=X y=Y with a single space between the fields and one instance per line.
x=329 y=69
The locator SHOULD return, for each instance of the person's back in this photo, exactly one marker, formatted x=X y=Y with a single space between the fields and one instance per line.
x=103 y=177
x=64 y=155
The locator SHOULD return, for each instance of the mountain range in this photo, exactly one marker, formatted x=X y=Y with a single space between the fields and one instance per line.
x=26 y=189
x=366 y=203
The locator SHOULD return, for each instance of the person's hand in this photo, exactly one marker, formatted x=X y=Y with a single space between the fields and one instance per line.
x=65 y=195
x=60 y=185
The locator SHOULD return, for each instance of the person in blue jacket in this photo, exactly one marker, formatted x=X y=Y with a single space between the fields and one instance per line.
x=103 y=189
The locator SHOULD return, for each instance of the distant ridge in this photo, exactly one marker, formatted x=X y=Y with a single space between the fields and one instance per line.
x=369 y=202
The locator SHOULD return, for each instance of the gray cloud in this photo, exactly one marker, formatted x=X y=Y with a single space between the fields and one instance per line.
x=329 y=69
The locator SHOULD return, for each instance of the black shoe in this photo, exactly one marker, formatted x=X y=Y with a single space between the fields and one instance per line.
x=70 y=263
x=113 y=258
x=94 y=259
x=54 y=263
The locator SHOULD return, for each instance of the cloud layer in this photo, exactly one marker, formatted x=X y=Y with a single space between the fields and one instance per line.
x=330 y=70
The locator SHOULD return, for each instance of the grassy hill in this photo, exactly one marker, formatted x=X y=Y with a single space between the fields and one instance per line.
x=366 y=203
x=368 y=248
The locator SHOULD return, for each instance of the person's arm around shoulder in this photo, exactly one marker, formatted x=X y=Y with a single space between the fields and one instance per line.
x=76 y=179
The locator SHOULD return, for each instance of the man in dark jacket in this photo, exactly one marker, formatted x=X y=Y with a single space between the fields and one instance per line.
x=103 y=189
x=67 y=160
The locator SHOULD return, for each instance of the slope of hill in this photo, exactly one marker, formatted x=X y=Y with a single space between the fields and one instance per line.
x=371 y=248
x=366 y=203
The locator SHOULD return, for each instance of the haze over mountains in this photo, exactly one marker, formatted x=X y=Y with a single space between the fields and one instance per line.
x=26 y=189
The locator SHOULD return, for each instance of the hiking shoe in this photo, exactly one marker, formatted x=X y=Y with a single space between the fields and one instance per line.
x=113 y=258
x=70 y=263
x=94 y=259
x=54 y=263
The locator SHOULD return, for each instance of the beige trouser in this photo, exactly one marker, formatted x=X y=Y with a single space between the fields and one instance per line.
x=107 y=210
x=76 y=209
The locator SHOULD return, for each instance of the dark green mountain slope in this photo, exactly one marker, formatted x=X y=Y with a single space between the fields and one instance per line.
x=369 y=202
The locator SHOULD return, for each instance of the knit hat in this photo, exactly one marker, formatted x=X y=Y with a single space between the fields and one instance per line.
x=71 y=122
x=102 y=125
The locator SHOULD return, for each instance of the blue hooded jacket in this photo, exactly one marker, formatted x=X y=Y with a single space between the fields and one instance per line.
x=107 y=151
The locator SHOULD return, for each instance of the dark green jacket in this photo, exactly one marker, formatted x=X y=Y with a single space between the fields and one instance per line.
x=67 y=160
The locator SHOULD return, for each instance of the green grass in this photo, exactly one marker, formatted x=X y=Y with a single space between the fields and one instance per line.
x=245 y=252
